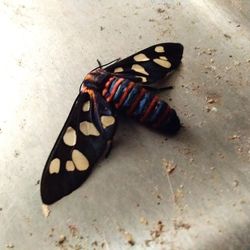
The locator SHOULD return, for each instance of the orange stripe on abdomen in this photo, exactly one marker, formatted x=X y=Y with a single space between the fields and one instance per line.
x=113 y=90
x=149 y=109
x=136 y=101
x=162 y=117
x=107 y=85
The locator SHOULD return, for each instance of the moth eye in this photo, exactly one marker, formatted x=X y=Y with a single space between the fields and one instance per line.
x=54 y=166
x=70 y=166
x=163 y=63
x=107 y=121
x=88 y=128
x=86 y=106
x=138 y=68
x=80 y=160
x=141 y=58
x=119 y=69
x=143 y=78
x=159 y=49
x=69 y=137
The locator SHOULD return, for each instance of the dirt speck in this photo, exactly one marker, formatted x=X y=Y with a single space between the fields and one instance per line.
x=46 y=210
x=210 y=100
x=181 y=225
x=94 y=243
x=236 y=183
x=128 y=237
x=73 y=230
x=155 y=233
x=227 y=36
x=160 y=10
x=16 y=153
x=143 y=221
x=62 y=239
x=170 y=166
x=10 y=245
x=234 y=137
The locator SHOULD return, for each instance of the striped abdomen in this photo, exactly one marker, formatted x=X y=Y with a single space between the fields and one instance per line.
x=141 y=104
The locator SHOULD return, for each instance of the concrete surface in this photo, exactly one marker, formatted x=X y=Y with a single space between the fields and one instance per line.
x=47 y=47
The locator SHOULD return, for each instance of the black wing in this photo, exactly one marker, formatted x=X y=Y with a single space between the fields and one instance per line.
x=86 y=135
x=149 y=65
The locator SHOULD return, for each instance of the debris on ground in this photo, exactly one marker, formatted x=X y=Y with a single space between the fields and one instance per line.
x=178 y=195
x=233 y=137
x=160 y=10
x=10 y=245
x=46 y=210
x=170 y=166
x=73 y=230
x=213 y=109
x=51 y=232
x=144 y=221
x=128 y=237
x=227 y=36
x=210 y=100
x=208 y=51
x=236 y=183
x=181 y=225
x=155 y=233
x=62 y=239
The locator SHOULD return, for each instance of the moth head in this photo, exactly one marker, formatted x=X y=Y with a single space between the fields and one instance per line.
x=96 y=78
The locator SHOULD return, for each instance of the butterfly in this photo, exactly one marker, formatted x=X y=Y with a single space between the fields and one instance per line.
x=121 y=87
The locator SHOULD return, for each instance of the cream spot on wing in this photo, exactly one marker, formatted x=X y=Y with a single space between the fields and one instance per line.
x=163 y=63
x=107 y=121
x=88 y=128
x=70 y=166
x=80 y=160
x=143 y=78
x=119 y=69
x=139 y=68
x=69 y=137
x=141 y=58
x=54 y=166
x=163 y=58
x=86 y=106
x=159 y=49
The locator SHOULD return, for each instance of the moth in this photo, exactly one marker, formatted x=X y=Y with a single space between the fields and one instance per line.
x=121 y=87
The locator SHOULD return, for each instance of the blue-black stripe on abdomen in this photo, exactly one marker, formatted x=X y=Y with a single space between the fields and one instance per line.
x=130 y=98
x=159 y=108
x=143 y=105
x=120 y=90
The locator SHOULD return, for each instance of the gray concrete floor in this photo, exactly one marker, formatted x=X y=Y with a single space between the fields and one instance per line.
x=46 y=49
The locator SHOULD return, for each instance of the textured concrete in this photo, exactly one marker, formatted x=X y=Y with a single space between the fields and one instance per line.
x=47 y=47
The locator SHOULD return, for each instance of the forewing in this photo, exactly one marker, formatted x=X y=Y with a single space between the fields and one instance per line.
x=151 y=64
x=86 y=135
